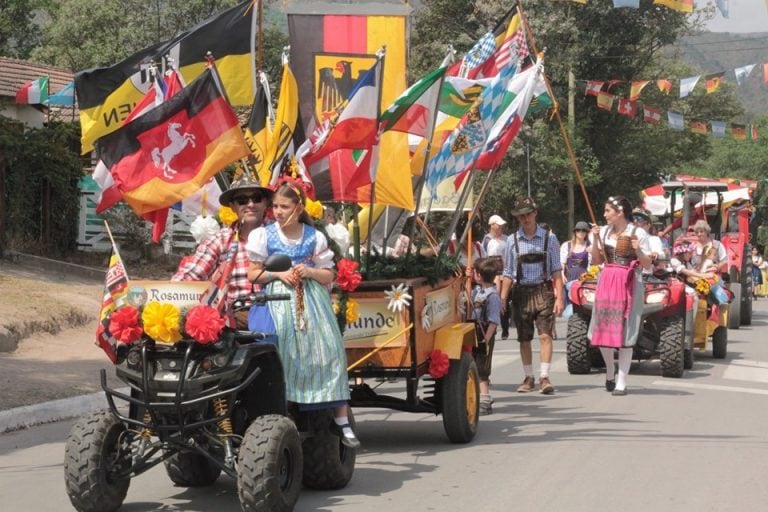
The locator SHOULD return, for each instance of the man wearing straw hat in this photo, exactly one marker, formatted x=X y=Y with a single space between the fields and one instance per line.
x=533 y=274
x=222 y=257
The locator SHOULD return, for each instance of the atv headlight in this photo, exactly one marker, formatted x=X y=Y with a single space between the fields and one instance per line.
x=657 y=297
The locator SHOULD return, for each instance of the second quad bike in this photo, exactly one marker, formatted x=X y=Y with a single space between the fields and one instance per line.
x=662 y=333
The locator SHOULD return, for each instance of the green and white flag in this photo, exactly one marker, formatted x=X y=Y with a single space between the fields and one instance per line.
x=34 y=92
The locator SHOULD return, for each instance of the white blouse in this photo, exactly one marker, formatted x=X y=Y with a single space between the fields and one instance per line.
x=257 y=246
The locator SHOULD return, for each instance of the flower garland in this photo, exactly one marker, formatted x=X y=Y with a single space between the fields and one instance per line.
x=347 y=280
x=163 y=322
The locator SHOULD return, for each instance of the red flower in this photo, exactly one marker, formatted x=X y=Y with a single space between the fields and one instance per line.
x=438 y=364
x=347 y=277
x=124 y=324
x=204 y=324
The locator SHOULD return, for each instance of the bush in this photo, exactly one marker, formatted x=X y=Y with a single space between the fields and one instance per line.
x=42 y=171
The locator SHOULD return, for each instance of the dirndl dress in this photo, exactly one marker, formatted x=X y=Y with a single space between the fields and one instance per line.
x=313 y=357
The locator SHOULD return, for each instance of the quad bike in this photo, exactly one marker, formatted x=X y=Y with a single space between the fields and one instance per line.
x=662 y=333
x=705 y=325
x=203 y=410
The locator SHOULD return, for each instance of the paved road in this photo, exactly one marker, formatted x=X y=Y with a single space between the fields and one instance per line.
x=691 y=444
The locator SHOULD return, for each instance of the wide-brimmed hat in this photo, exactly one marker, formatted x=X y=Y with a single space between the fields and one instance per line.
x=643 y=213
x=495 y=219
x=243 y=180
x=525 y=205
x=581 y=226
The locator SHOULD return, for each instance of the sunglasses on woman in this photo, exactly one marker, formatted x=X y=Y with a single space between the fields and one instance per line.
x=244 y=200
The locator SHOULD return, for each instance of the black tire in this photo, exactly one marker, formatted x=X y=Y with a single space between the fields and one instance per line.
x=577 y=346
x=720 y=342
x=460 y=395
x=746 y=305
x=93 y=446
x=672 y=346
x=269 y=465
x=328 y=464
x=734 y=308
x=187 y=469
x=688 y=358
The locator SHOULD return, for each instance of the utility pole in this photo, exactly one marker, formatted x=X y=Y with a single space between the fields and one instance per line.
x=571 y=127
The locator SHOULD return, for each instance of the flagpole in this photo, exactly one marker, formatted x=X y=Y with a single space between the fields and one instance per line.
x=380 y=54
x=563 y=131
x=428 y=150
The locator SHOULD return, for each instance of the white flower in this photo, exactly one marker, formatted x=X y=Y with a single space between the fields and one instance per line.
x=398 y=297
x=203 y=227
x=426 y=317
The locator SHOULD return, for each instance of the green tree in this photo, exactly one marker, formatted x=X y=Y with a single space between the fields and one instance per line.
x=18 y=31
x=617 y=154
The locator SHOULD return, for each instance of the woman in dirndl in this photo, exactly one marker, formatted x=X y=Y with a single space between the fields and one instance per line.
x=622 y=249
x=309 y=340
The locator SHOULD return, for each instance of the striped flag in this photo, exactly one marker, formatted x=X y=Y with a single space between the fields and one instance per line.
x=64 y=96
x=713 y=81
x=115 y=289
x=605 y=101
x=167 y=154
x=636 y=88
x=651 y=115
x=685 y=6
x=664 y=86
x=718 y=128
x=698 y=126
x=593 y=88
x=676 y=121
x=34 y=92
x=739 y=131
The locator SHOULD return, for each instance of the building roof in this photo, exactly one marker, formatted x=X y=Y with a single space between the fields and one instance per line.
x=14 y=73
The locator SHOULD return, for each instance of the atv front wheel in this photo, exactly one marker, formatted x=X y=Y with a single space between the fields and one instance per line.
x=93 y=453
x=269 y=465
x=577 y=346
x=672 y=346
x=460 y=396
x=688 y=358
x=328 y=464
x=188 y=469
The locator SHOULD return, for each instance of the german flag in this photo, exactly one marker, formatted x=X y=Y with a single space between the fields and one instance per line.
x=167 y=154
x=106 y=96
x=739 y=131
x=698 y=126
x=329 y=52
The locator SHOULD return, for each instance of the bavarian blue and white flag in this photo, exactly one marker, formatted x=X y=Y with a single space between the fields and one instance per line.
x=464 y=145
x=484 y=48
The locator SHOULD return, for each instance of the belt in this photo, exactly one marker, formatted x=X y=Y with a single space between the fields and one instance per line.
x=543 y=283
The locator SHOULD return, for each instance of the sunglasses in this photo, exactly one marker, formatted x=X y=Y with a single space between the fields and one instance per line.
x=244 y=200
x=640 y=219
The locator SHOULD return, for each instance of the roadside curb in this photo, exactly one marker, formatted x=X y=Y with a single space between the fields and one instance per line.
x=50 y=412
x=62 y=267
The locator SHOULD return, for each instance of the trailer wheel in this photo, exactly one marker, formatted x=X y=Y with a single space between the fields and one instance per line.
x=93 y=452
x=460 y=395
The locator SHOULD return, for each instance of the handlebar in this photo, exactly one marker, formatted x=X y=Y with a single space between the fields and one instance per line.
x=257 y=299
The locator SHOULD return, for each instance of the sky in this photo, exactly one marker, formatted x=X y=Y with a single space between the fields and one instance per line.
x=744 y=16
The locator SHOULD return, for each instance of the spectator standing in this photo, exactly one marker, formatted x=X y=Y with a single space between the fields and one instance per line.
x=495 y=244
x=575 y=255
